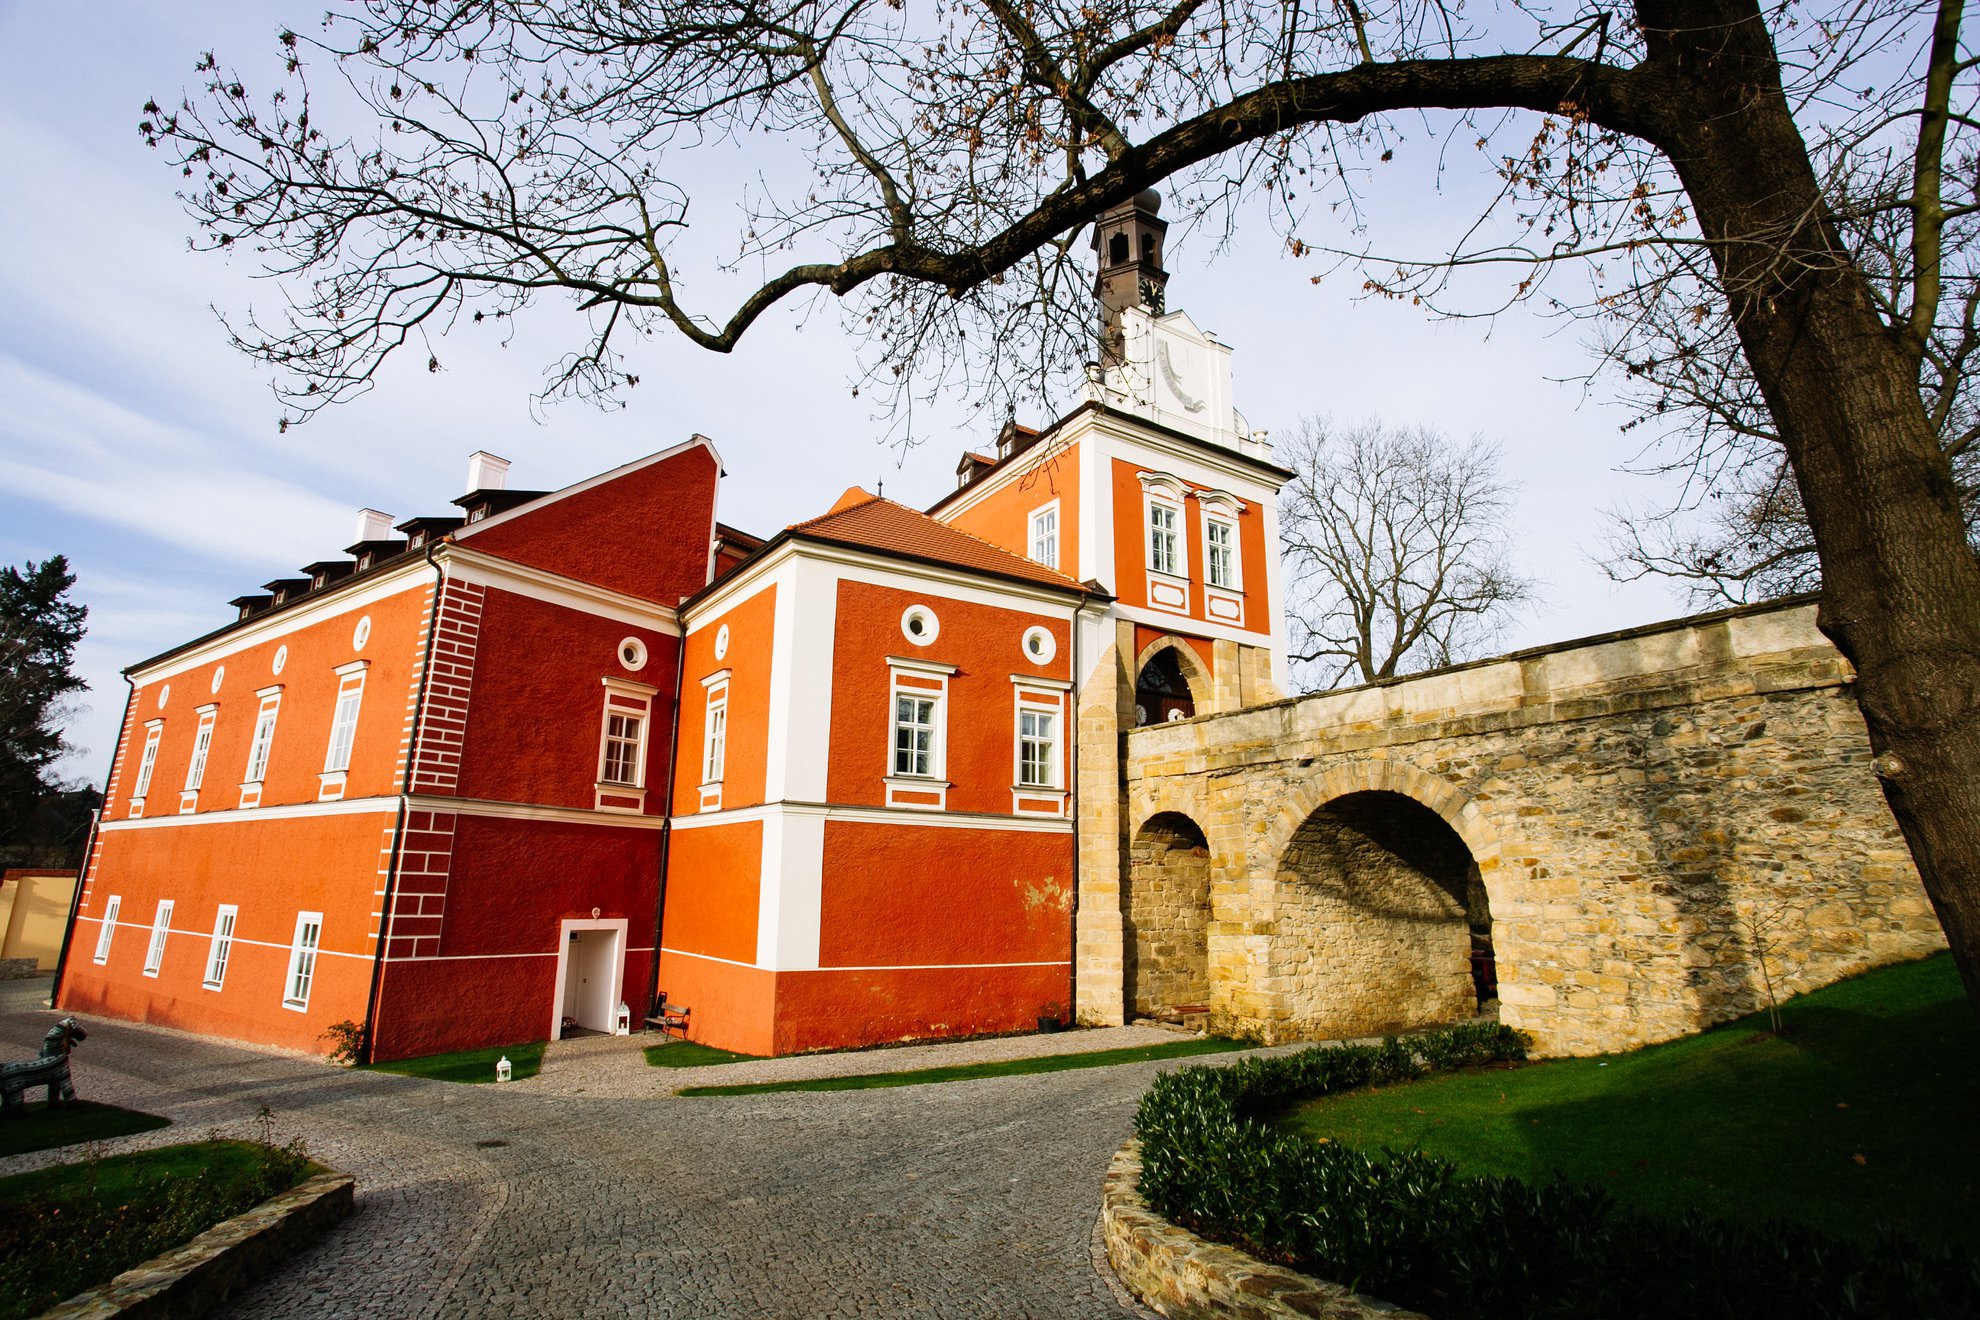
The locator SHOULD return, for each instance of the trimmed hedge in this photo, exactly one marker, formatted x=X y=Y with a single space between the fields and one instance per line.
x=1411 y=1229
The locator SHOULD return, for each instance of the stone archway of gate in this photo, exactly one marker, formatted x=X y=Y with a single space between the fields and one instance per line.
x=1170 y=904
x=1371 y=892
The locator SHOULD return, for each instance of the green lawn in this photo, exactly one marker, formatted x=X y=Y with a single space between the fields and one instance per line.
x=1860 y=1112
x=469 y=1065
x=970 y=1072
x=687 y=1054
x=42 y=1128
x=72 y=1226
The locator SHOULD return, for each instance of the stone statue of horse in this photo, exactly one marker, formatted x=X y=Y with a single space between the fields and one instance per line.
x=50 y=1070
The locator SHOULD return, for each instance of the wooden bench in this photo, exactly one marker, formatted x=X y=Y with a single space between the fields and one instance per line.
x=670 y=1017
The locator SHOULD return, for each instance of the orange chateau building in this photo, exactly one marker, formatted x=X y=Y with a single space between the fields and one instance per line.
x=541 y=761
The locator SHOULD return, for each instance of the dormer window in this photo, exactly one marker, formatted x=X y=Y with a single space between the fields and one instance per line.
x=246 y=610
x=477 y=513
x=364 y=561
x=316 y=583
x=417 y=540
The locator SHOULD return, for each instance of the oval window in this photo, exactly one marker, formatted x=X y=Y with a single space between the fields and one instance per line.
x=219 y=676
x=1040 y=646
x=281 y=659
x=632 y=653
x=919 y=625
x=362 y=635
x=722 y=642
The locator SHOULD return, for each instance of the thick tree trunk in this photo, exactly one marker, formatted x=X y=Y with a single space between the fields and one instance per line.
x=1900 y=585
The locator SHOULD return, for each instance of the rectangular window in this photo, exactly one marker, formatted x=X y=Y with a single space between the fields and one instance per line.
x=343 y=726
x=223 y=944
x=148 y=760
x=161 y=926
x=1220 y=537
x=914 y=735
x=715 y=740
x=109 y=931
x=1162 y=555
x=1038 y=749
x=202 y=743
x=1045 y=535
x=302 y=959
x=264 y=738
x=625 y=732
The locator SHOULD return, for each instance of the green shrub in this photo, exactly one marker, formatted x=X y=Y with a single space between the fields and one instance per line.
x=1411 y=1229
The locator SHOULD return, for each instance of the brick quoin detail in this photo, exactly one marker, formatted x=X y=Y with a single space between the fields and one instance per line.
x=110 y=791
x=436 y=762
x=426 y=855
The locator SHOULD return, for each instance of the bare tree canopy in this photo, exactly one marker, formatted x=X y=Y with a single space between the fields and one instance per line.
x=947 y=156
x=1397 y=544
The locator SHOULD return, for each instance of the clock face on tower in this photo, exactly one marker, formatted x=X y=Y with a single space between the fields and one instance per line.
x=1151 y=295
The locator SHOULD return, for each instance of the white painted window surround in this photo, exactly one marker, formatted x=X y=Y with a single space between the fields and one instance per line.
x=1164 y=538
x=1045 y=535
x=1038 y=748
x=202 y=743
x=222 y=946
x=161 y=926
x=1220 y=563
x=917 y=733
x=111 y=907
x=715 y=739
x=302 y=960
x=343 y=721
x=142 y=787
x=264 y=735
x=625 y=735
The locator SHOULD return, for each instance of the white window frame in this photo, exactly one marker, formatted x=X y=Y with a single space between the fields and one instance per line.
x=1046 y=697
x=917 y=721
x=202 y=748
x=161 y=927
x=924 y=680
x=632 y=701
x=261 y=745
x=344 y=717
x=1177 y=559
x=221 y=949
x=631 y=744
x=111 y=907
x=1049 y=739
x=154 y=730
x=1044 y=542
x=1233 y=576
x=301 y=975
x=715 y=738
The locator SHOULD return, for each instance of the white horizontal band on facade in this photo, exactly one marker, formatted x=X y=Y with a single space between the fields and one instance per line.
x=1170 y=621
x=954 y=820
x=477 y=957
x=415 y=802
x=148 y=928
x=237 y=815
x=904 y=967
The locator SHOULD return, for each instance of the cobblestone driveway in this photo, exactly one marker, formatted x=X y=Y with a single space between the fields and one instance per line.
x=966 y=1199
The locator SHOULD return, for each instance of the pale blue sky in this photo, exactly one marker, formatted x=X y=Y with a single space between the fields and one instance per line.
x=133 y=440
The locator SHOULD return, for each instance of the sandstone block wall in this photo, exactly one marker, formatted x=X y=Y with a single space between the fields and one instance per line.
x=1651 y=814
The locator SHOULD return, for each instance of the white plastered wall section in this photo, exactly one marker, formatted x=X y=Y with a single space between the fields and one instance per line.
x=796 y=808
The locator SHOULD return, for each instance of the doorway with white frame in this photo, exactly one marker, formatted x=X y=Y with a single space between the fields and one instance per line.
x=591 y=966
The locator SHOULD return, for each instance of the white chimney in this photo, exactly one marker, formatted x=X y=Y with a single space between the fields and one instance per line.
x=486 y=472
x=373 y=525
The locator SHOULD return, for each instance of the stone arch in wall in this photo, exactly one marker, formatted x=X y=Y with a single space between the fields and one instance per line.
x=1166 y=936
x=1377 y=910
x=1165 y=665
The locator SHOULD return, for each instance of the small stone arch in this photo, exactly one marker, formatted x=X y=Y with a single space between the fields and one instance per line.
x=1194 y=672
x=1375 y=905
x=1165 y=910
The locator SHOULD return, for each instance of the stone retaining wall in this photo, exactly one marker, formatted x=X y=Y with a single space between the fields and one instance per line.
x=1186 y=1278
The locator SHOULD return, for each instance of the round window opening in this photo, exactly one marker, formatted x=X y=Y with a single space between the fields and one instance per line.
x=362 y=635
x=164 y=695
x=722 y=642
x=919 y=625
x=632 y=653
x=1039 y=645
x=281 y=658
x=219 y=677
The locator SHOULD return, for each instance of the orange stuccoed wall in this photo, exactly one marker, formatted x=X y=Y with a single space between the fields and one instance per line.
x=984 y=642
x=752 y=625
x=1131 y=552
x=1003 y=517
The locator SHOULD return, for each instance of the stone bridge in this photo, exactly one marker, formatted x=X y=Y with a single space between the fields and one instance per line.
x=1621 y=839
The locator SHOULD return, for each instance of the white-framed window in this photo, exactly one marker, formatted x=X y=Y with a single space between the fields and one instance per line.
x=111 y=907
x=142 y=787
x=1220 y=562
x=917 y=734
x=1038 y=748
x=222 y=946
x=264 y=735
x=302 y=960
x=202 y=744
x=715 y=738
x=625 y=737
x=624 y=725
x=1165 y=538
x=1045 y=535
x=343 y=721
x=161 y=926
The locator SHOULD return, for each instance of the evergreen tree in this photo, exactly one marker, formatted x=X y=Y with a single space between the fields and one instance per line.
x=39 y=629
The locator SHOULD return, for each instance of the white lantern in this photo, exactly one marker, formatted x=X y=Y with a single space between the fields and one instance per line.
x=622 y=1020
x=502 y=1069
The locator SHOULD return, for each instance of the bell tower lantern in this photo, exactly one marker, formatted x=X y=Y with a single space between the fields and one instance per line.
x=1128 y=239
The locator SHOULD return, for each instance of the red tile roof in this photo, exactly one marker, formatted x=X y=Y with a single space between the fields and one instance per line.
x=869 y=522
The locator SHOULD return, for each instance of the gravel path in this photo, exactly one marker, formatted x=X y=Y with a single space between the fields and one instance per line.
x=592 y=1191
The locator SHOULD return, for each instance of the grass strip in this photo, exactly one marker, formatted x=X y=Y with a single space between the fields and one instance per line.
x=687 y=1054
x=69 y=1227
x=972 y=1071
x=469 y=1065
x=1860 y=1113
x=42 y=1128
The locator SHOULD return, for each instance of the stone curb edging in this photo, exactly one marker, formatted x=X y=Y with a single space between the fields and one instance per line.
x=192 y=1280
x=1187 y=1278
